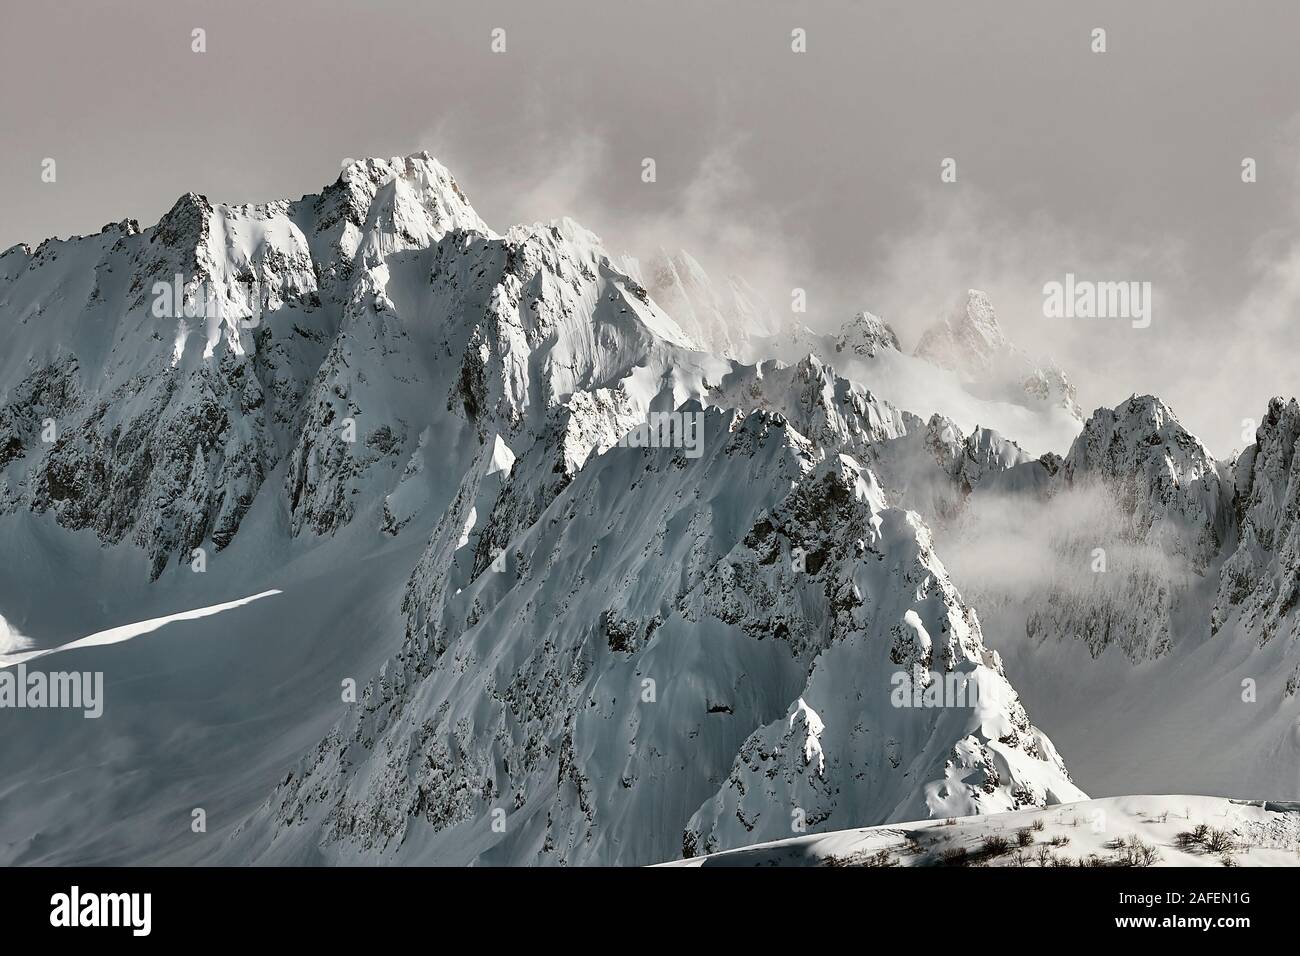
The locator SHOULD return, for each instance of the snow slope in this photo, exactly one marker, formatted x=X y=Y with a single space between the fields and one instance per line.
x=202 y=712
x=725 y=319
x=526 y=692
x=1120 y=831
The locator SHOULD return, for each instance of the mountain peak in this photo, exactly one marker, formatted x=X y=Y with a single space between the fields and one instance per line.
x=1148 y=414
x=377 y=168
x=981 y=317
x=1181 y=494
x=866 y=334
x=380 y=205
x=1141 y=421
x=970 y=342
x=186 y=222
x=968 y=338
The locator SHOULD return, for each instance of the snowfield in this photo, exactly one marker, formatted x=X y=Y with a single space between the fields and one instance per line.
x=1165 y=830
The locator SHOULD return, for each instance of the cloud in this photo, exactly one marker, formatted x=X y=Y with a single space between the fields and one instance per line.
x=708 y=206
x=968 y=240
x=1221 y=333
x=1073 y=563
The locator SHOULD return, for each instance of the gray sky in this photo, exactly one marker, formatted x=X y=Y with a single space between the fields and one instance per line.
x=818 y=170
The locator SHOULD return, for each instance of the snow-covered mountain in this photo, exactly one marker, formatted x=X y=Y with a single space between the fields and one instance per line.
x=1156 y=509
x=343 y=334
x=866 y=336
x=606 y=623
x=964 y=370
x=971 y=343
x=1259 y=587
x=620 y=569
x=927 y=466
x=1146 y=617
x=645 y=636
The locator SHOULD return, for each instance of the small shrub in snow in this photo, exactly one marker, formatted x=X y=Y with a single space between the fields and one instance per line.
x=996 y=845
x=1037 y=825
x=1209 y=839
x=879 y=858
x=1219 y=841
x=1132 y=851
x=1138 y=853
x=954 y=856
x=1024 y=837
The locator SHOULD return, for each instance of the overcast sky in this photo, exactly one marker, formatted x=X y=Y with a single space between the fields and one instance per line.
x=817 y=169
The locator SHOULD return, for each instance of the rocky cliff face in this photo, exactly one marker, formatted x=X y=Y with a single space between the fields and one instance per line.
x=1143 y=510
x=327 y=337
x=660 y=612
x=844 y=746
x=1258 y=587
x=928 y=466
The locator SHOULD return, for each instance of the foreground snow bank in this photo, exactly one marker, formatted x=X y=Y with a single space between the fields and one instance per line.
x=1166 y=830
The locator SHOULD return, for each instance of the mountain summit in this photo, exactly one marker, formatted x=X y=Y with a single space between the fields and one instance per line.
x=970 y=342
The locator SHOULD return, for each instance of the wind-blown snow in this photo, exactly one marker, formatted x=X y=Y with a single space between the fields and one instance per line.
x=11 y=639
x=116 y=635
